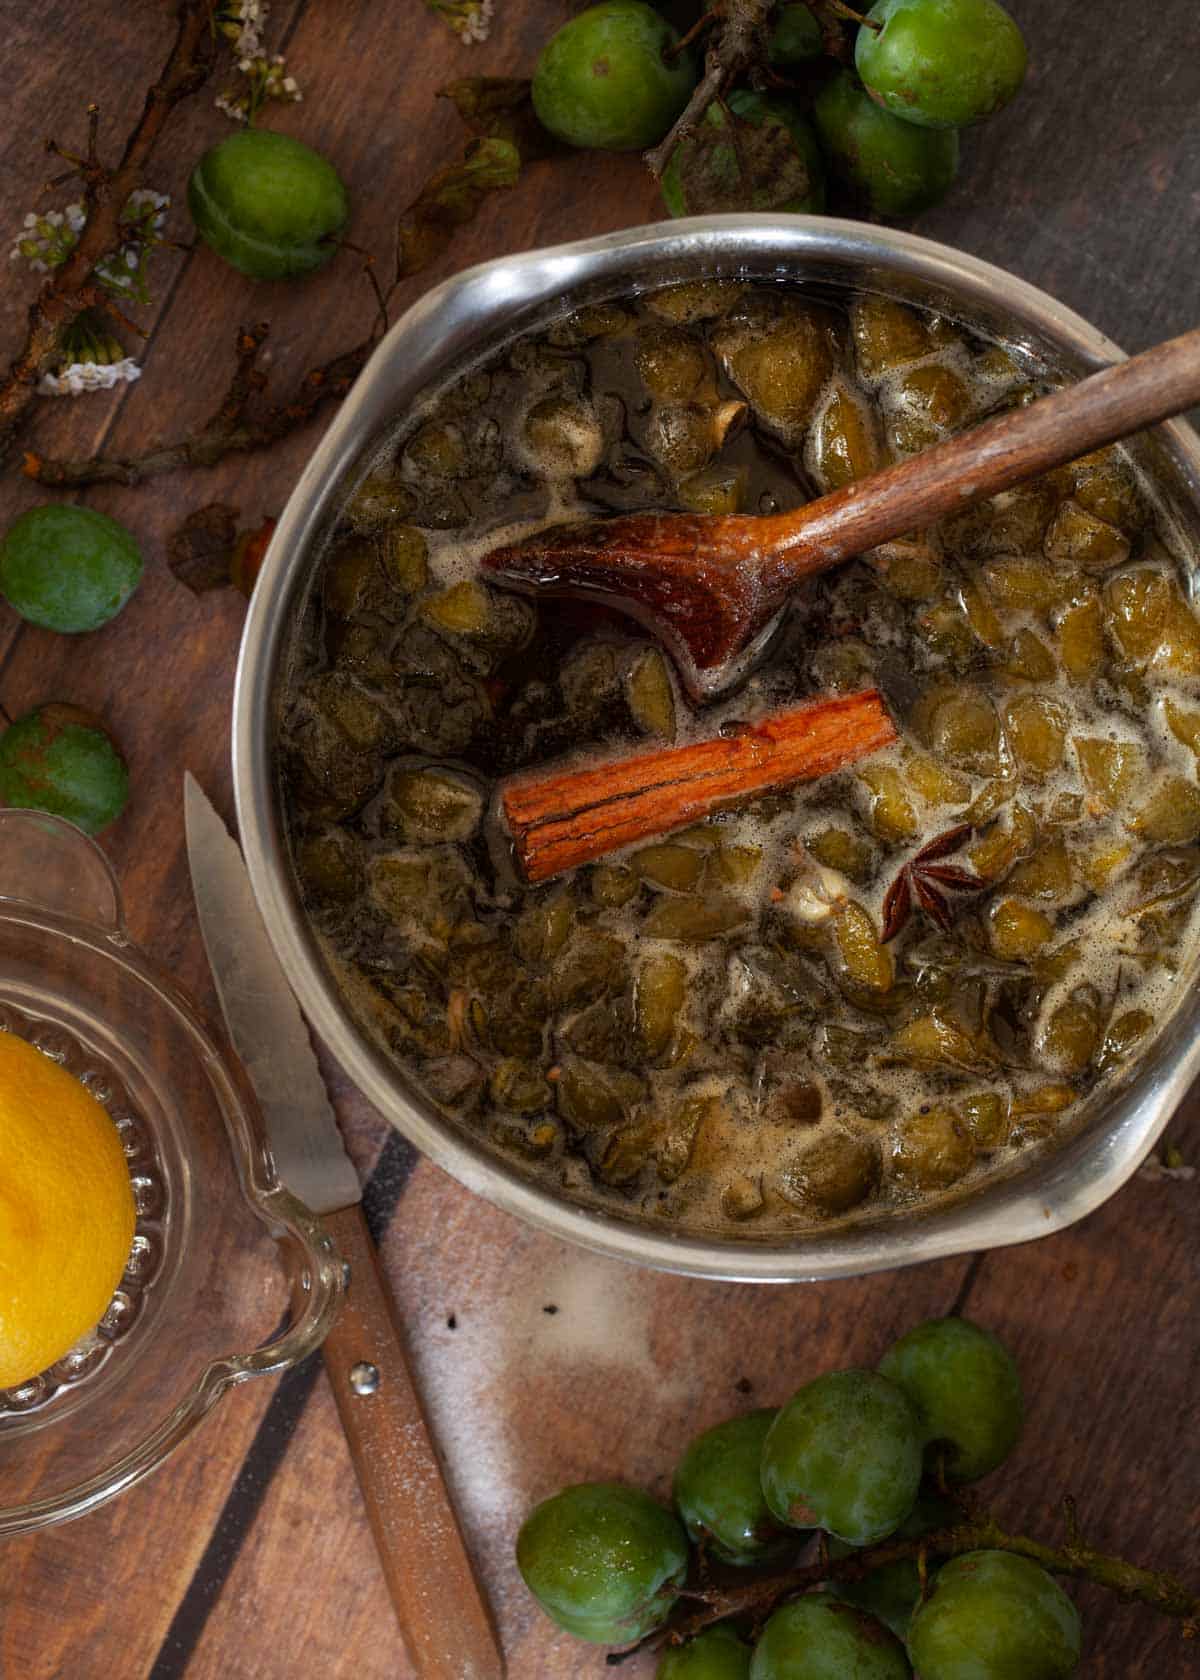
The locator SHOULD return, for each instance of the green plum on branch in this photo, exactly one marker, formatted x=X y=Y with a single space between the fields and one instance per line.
x=907 y=1578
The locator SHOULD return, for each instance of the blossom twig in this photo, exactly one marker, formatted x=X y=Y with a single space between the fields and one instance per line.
x=70 y=288
x=449 y=198
x=230 y=431
x=264 y=75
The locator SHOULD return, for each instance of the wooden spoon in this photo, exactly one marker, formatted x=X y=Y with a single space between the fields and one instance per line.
x=710 y=586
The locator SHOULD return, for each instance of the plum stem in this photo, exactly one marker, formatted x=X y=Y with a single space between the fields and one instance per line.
x=840 y=9
x=705 y=21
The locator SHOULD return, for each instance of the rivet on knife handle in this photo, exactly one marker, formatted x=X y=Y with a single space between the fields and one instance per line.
x=364 y=1378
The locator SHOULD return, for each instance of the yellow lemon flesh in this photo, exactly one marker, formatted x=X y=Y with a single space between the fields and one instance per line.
x=66 y=1211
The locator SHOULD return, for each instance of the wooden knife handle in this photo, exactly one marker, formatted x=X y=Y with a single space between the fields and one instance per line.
x=441 y=1610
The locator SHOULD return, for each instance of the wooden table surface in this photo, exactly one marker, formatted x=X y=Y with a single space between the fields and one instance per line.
x=249 y=1556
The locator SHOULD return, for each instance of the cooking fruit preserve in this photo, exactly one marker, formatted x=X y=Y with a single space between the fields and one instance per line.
x=711 y=1027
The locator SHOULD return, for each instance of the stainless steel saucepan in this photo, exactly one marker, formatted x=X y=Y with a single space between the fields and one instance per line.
x=480 y=309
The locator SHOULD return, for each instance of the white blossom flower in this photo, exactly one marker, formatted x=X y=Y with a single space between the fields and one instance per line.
x=243 y=23
x=47 y=240
x=146 y=199
x=78 y=377
x=469 y=19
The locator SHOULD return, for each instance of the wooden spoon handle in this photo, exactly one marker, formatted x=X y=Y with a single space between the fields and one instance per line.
x=1006 y=450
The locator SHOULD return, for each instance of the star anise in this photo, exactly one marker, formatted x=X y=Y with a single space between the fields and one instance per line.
x=928 y=882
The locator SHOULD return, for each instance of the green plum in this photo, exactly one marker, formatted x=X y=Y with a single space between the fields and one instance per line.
x=891 y=167
x=604 y=79
x=719 y=1494
x=704 y=176
x=68 y=568
x=604 y=1561
x=715 y=1654
x=965 y=1390
x=844 y=1455
x=60 y=759
x=795 y=36
x=820 y=1638
x=995 y=1616
x=891 y=1593
x=268 y=204
x=940 y=63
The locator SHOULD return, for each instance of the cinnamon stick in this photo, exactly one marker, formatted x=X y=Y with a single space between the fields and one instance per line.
x=560 y=819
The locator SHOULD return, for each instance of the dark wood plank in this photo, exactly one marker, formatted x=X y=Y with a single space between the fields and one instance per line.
x=1086 y=184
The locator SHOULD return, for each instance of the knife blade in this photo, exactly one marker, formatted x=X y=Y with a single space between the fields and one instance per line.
x=442 y=1613
x=263 y=1017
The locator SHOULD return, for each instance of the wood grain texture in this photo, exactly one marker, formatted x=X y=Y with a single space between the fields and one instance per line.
x=425 y=1561
x=1089 y=186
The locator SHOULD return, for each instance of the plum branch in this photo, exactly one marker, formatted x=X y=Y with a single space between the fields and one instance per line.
x=504 y=138
x=738 y=45
x=717 y=1601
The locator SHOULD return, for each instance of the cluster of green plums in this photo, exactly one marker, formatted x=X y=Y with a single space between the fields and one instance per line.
x=862 y=1456
x=617 y=77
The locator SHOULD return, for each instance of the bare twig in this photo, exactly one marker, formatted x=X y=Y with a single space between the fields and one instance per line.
x=705 y=21
x=1071 y=1522
x=68 y=290
x=739 y=44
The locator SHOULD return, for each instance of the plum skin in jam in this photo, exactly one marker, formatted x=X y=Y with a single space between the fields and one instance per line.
x=709 y=1028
